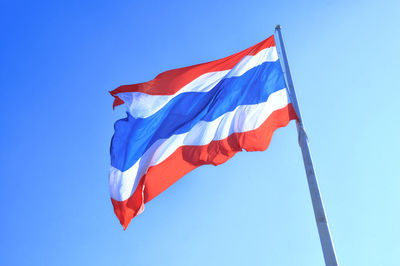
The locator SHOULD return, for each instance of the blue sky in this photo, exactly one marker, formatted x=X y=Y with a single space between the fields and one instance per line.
x=58 y=61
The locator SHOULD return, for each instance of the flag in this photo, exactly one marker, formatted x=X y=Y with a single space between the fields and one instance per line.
x=192 y=116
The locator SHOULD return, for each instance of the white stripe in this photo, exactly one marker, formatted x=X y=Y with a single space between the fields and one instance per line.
x=243 y=118
x=142 y=105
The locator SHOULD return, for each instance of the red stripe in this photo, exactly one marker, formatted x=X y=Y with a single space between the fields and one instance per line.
x=187 y=158
x=169 y=82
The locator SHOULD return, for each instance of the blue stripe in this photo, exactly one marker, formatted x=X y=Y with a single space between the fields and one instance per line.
x=133 y=136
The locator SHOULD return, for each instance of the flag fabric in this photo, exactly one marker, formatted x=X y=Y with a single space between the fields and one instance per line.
x=192 y=116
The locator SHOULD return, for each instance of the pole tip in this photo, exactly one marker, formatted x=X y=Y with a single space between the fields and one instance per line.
x=278 y=27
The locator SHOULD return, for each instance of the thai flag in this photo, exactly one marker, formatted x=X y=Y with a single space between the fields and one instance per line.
x=191 y=116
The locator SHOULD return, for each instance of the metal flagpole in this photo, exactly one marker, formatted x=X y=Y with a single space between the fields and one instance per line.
x=319 y=212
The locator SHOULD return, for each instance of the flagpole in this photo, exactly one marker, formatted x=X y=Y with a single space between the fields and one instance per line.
x=319 y=212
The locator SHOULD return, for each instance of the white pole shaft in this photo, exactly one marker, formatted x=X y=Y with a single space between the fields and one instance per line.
x=319 y=212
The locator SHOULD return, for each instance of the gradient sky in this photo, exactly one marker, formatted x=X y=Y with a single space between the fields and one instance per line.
x=58 y=61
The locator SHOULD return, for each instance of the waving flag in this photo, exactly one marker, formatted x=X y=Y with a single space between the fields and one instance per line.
x=191 y=116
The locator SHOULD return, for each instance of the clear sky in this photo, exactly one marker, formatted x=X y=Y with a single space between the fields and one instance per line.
x=58 y=61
